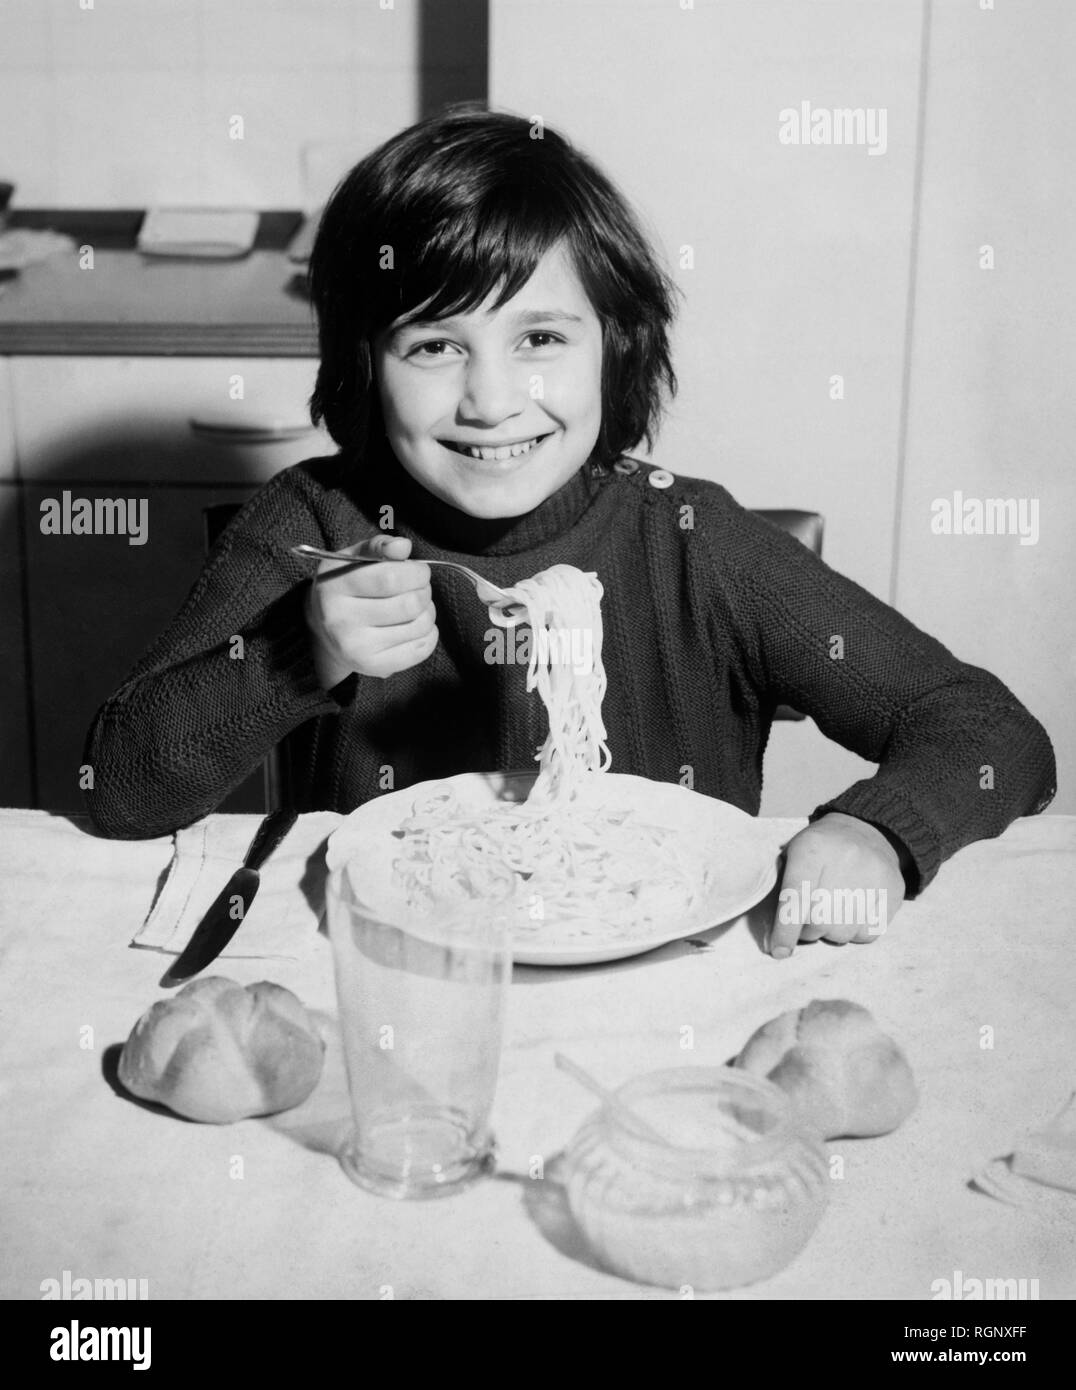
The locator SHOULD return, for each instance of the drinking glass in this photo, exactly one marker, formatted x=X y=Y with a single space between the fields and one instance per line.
x=422 y=1003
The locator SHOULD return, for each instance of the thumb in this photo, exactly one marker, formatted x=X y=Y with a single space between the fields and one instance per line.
x=391 y=547
x=381 y=546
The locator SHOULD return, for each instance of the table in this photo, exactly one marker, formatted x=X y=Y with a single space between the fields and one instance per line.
x=103 y=1188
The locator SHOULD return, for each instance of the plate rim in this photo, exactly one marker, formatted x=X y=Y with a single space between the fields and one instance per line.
x=565 y=954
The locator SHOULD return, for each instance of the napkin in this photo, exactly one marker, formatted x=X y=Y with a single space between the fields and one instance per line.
x=287 y=911
x=1042 y=1164
x=219 y=232
x=26 y=245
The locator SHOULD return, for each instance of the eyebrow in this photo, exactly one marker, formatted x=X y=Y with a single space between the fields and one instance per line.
x=524 y=318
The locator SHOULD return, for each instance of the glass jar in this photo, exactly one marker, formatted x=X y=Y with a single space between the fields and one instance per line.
x=731 y=1198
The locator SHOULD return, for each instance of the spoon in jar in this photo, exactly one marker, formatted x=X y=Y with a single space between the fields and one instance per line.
x=610 y=1099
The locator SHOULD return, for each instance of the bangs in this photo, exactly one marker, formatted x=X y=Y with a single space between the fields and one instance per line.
x=476 y=252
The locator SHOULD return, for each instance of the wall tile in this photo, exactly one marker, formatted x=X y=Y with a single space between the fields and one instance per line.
x=383 y=101
x=279 y=112
x=140 y=35
x=25 y=35
x=387 y=38
x=127 y=104
x=277 y=35
x=28 y=135
x=127 y=143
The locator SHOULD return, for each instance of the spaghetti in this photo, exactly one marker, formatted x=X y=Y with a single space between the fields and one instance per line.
x=583 y=869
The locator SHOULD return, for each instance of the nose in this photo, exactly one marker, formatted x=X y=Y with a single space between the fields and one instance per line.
x=493 y=391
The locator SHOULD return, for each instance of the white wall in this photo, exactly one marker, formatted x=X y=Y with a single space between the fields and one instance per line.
x=993 y=367
x=804 y=269
x=130 y=103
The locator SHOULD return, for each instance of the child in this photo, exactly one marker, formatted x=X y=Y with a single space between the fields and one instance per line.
x=493 y=331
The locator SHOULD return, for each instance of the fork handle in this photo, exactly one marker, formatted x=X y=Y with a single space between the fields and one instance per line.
x=314 y=552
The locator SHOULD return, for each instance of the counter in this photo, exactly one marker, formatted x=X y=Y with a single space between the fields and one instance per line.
x=134 y=305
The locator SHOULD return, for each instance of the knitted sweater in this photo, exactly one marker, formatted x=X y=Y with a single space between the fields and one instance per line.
x=712 y=617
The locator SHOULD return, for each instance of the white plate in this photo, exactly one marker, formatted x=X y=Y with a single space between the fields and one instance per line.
x=741 y=847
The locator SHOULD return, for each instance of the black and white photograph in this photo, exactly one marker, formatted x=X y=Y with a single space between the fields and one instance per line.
x=538 y=616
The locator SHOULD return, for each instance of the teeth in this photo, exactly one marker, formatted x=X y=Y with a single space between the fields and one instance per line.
x=509 y=451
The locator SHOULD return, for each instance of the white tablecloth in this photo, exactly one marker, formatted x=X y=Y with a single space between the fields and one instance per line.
x=103 y=1188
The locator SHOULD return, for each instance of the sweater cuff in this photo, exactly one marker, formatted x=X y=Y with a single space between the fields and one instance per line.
x=890 y=812
x=344 y=691
x=290 y=654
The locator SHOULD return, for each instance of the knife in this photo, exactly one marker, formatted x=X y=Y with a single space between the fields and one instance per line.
x=225 y=917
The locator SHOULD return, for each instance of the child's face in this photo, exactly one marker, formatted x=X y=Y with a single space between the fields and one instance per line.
x=530 y=370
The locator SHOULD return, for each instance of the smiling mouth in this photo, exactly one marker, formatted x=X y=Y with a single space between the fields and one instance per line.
x=499 y=453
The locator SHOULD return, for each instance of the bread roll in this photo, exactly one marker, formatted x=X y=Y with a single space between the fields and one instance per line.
x=217 y=1052
x=845 y=1077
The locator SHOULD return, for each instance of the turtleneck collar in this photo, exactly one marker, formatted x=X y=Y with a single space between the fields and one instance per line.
x=381 y=479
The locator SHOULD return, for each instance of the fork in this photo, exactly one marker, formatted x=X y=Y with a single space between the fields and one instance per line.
x=492 y=595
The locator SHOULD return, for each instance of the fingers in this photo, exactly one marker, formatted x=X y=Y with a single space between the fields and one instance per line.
x=399 y=656
x=395 y=610
x=396 y=594
x=382 y=546
x=832 y=889
x=805 y=914
x=378 y=651
x=800 y=866
x=398 y=634
x=379 y=580
x=344 y=610
x=375 y=619
x=786 y=928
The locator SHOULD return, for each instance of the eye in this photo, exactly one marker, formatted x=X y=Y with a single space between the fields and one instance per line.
x=435 y=347
x=551 y=339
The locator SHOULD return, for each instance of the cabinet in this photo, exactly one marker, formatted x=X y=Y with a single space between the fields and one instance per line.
x=172 y=435
x=15 y=767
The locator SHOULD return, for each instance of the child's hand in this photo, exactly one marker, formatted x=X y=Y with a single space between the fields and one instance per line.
x=836 y=852
x=373 y=619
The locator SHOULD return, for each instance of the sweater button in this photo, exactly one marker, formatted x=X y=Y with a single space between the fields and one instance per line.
x=661 y=477
x=626 y=467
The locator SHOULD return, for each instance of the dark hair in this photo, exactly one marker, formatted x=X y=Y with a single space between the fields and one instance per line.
x=469 y=201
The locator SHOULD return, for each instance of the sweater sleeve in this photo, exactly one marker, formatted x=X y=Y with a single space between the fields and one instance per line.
x=959 y=757
x=231 y=676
